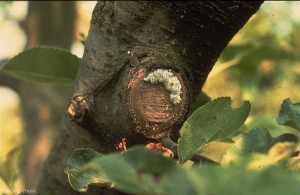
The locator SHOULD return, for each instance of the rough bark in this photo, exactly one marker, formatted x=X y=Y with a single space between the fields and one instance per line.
x=111 y=98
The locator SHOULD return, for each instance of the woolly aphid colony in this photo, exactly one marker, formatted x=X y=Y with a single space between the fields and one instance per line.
x=171 y=83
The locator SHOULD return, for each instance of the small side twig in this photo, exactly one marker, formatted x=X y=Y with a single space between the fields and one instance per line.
x=197 y=158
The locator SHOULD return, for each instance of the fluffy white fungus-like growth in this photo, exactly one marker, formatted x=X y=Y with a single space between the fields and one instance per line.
x=171 y=82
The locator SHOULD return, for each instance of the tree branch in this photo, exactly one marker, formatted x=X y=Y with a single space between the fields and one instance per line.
x=185 y=38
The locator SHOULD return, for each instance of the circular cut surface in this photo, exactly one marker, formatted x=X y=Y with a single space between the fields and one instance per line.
x=150 y=105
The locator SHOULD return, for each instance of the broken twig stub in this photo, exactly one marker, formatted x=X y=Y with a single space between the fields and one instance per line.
x=151 y=101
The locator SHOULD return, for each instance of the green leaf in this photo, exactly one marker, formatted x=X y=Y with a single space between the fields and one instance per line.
x=214 y=121
x=201 y=99
x=43 y=65
x=273 y=180
x=145 y=171
x=289 y=114
x=80 y=173
x=269 y=122
x=258 y=140
x=227 y=140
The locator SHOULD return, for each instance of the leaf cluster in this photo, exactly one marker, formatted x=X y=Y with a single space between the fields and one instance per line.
x=257 y=163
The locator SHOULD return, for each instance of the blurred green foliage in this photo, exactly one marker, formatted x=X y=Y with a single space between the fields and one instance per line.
x=10 y=171
x=262 y=62
x=4 y=5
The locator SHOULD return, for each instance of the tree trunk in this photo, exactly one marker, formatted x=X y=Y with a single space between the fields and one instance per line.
x=128 y=46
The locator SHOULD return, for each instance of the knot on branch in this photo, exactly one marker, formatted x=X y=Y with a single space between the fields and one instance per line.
x=78 y=108
x=156 y=100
